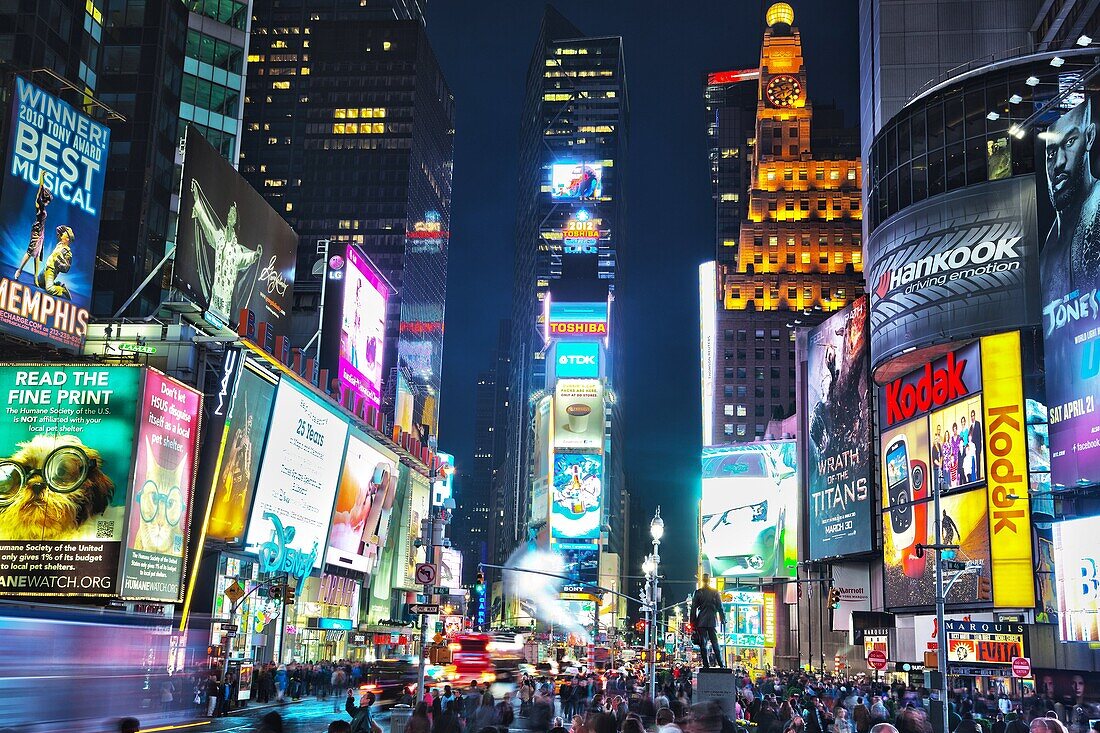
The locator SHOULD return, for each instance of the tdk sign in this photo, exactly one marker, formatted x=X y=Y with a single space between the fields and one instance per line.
x=577 y=360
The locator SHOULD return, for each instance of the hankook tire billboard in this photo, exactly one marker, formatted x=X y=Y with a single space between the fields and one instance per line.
x=954 y=266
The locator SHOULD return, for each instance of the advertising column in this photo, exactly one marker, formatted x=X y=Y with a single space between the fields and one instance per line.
x=66 y=442
x=164 y=470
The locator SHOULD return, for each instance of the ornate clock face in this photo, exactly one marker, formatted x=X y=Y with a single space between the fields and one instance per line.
x=783 y=91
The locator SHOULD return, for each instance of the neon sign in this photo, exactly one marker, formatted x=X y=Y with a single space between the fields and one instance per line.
x=276 y=556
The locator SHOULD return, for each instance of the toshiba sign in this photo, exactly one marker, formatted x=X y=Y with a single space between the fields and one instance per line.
x=945 y=380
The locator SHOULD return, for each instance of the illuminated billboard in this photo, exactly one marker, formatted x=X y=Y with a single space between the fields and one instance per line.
x=577 y=360
x=577 y=320
x=708 y=329
x=911 y=580
x=160 y=507
x=956 y=428
x=577 y=496
x=581 y=234
x=364 y=501
x=984 y=643
x=951 y=266
x=581 y=562
x=65 y=469
x=749 y=510
x=50 y=209
x=578 y=415
x=362 y=313
x=296 y=488
x=1069 y=275
x=543 y=460
x=744 y=619
x=837 y=405
x=443 y=487
x=450 y=570
x=233 y=250
x=576 y=181
x=1077 y=569
x=239 y=457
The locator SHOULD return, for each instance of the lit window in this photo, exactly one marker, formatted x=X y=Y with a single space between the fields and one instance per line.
x=838 y=258
x=857 y=258
x=728 y=410
x=805 y=258
x=741 y=431
x=379 y=127
x=773 y=241
x=834 y=175
x=280 y=85
x=851 y=174
x=386 y=45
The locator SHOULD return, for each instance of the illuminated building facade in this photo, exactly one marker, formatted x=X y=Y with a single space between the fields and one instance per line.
x=349 y=133
x=797 y=254
x=569 y=226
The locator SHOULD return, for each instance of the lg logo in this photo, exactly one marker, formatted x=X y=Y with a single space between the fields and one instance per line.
x=577 y=360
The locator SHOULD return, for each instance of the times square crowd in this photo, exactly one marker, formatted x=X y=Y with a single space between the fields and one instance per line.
x=620 y=702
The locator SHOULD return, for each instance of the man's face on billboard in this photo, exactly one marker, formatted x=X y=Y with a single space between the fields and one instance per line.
x=1068 y=142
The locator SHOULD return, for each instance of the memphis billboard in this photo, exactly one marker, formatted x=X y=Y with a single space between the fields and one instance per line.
x=749 y=510
x=49 y=218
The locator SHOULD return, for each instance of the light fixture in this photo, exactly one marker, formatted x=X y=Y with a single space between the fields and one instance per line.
x=993 y=116
x=1013 y=130
x=1018 y=133
x=1015 y=99
x=648 y=565
x=657 y=526
x=1032 y=81
x=1084 y=40
x=1057 y=61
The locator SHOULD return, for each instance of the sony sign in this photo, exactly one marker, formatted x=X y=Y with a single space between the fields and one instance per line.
x=938 y=383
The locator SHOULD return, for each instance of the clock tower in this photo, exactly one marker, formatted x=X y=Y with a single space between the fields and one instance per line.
x=783 y=111
x=798 y=254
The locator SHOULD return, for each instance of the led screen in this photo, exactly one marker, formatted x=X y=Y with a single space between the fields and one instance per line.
x=578 y=495
x=364 y=502
x=581 y=562
x=50 y=211
x=160 y=507
x=749 y=510
x=839 y=445
x=362 y=329
x=578 y=415
x=1077 y=569
x=233 y=250
x=576 y=181
x=1069 y=275
x=297 y=484
x=71 y=427
x=577 y=320
x=577 y=360
x=239 y=459
x=543 y=462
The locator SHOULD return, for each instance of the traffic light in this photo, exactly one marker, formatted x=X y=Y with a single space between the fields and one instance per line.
x=288 y=595
x=688 y=628
x=274 y=591
x=640 y=626
x=479 y=584
x=834 y=598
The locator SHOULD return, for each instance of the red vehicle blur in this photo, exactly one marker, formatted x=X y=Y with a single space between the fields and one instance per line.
x=471 y=659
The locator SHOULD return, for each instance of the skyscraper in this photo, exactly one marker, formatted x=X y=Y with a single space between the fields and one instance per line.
x=349 y=128
x=798 y=251
x=569 y=226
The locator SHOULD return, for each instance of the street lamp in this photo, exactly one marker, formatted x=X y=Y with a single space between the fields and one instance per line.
x=656 y=531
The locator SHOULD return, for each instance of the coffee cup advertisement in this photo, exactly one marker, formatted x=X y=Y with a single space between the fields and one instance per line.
x=578 y=415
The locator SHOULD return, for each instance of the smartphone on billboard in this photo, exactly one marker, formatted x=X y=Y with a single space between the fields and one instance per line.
x=899 y=491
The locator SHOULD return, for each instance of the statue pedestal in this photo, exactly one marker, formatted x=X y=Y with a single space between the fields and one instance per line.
x=719 y=685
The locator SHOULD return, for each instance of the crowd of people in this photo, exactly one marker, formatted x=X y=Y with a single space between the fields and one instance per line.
x=620 y=702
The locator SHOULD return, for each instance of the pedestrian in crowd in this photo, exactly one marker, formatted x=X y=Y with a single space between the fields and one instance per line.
x=861 y=717
x=506 y=713
x=666 y=723
x=841 y=723
x=281 y=681
x=557 y=726
x=1047 y=725
x=419 y=722
x=337 y=681
x=445 y=722
x=339 y=726
x=362 y=718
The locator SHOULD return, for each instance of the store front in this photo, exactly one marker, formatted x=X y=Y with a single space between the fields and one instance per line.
x=327 y=610
x=246 y=622
x=980 y=657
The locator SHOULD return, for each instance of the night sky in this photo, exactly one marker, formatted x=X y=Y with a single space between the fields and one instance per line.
x=484 y=47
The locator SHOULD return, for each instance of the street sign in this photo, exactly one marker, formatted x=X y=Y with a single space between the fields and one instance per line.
x=439 y=627
x=438 y=638
x=1021 y=667
x=441 y=590
x=876 y=658
x=425 y=573
x=231 y=635
x=234 y=592
x=229 y=627
x=424 y=609
x=138 y=348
